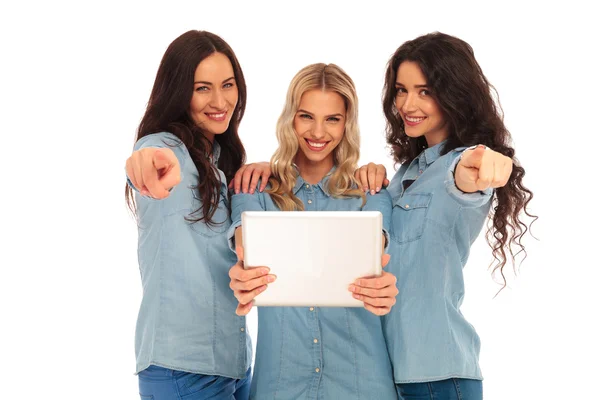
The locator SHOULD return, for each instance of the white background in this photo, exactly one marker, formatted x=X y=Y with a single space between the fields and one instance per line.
x=74 y=82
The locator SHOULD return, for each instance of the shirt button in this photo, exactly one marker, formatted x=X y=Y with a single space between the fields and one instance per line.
x=406 y=206
x=307 y=186
x=312 y=309
x=309 y=201
x=317 y=370
x=242 y=329
x=316 y=341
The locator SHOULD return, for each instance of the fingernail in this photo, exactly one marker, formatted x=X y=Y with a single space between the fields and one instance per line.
x=366 y=189
x=270 y=278
x=357 y=282
x=356 y=296
x=377 y=189
x=251 y=191
x=244 y=190
x=264 y=271
x=237 y=191
x=372 y=192
x=352 y=288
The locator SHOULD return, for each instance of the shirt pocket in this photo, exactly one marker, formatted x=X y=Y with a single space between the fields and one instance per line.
x=221 y=219
x=408 y=217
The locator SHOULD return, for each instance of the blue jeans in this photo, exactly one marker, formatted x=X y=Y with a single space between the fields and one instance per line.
x=449 y=389
x=158 y=383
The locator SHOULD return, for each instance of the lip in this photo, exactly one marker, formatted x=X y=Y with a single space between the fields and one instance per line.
x=315 y=148
x=413 y=123
x=217 y=117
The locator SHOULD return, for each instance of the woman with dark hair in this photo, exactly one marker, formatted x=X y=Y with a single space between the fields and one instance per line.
x=458 y=167
x=189 y=341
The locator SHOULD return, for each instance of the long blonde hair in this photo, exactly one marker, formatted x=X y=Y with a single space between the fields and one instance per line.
x=326 y=77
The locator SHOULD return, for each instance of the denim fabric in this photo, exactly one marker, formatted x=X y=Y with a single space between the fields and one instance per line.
x=449 y=389
x=187 y=319
x=158 y=383
x=433 y=227
x=319 y=352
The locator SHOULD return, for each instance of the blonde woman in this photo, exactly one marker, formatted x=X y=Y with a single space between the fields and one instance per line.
x=312 y=352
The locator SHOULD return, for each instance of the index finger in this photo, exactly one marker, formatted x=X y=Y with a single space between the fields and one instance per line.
x=380 y=177
x=371 y=174
x=386 y=279
x=247 y=274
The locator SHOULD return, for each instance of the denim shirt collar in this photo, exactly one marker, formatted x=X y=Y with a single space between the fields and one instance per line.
x=323 y=183
x=433 y=153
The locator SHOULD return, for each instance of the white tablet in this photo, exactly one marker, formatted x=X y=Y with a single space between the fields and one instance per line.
x=315 y=255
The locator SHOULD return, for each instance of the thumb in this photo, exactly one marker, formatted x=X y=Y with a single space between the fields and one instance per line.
x=160 y=160
x=239 y=250
x=473 y=159
x=385 y=259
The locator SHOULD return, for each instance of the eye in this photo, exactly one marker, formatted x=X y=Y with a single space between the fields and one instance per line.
x=202 y=89
x=400 y=90
x=305 y=116
x=333 y=119
x=228 y=85
x=424 y=92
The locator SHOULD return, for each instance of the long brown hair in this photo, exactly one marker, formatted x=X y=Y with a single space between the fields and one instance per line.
x=464 y=95
x=168 y=110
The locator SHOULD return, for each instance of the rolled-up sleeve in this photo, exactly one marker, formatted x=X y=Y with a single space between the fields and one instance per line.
x=239 y=203
x=381 y=202
x=466 y=200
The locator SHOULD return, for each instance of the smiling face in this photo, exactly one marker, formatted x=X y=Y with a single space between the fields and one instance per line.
x=319 y=124
x=419 y=111
x=215 y=95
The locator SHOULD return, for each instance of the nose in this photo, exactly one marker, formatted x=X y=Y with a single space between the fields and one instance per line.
x=217 y=100
x=410 y=104
x=318 y=131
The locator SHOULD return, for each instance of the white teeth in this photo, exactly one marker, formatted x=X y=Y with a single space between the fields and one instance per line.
x=415 y=119
x=313 y=144
x=217 y=115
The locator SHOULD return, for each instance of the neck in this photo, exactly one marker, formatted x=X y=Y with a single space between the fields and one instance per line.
x=209 y=136
x=313 y=171
x=435 y=138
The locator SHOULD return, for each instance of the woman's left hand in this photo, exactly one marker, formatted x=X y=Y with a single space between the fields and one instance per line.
x=379 y=293
x=482 y=168
x=246 y=178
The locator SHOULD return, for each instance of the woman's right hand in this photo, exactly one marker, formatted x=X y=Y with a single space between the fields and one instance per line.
x=372 y=177
x=247 y=283
x=153 y=171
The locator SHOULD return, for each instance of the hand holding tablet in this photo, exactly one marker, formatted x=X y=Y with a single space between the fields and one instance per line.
x=312 y=259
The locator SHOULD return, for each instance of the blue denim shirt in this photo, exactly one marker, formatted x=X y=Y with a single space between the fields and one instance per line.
x=433 y=227
x=187 y=319
x=314 y=352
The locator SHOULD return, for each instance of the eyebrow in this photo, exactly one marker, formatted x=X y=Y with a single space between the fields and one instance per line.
x=210 y=83
x=416 y=86
x=327 y=116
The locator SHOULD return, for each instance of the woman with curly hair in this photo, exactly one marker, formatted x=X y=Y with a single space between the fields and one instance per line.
x=458 y=167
